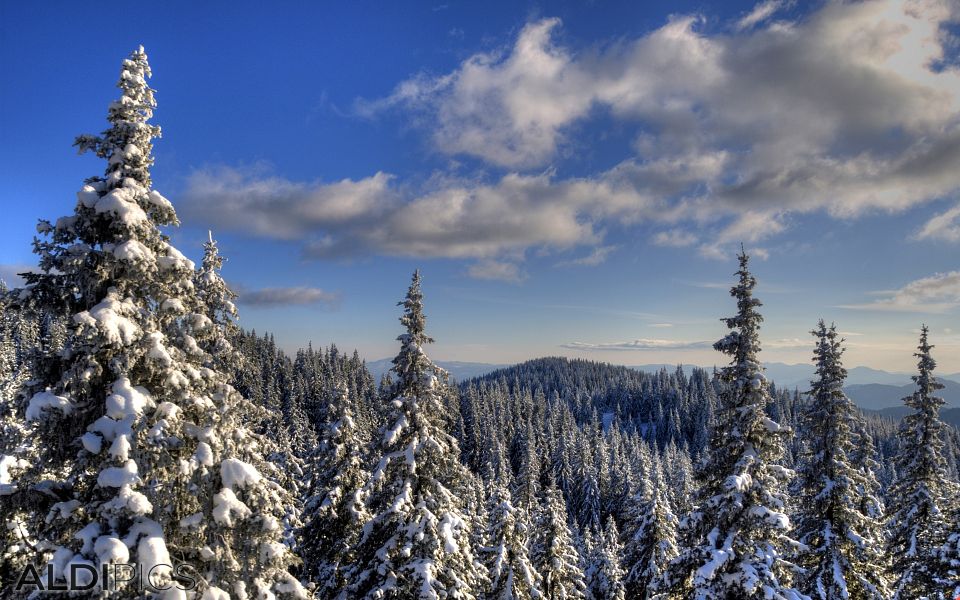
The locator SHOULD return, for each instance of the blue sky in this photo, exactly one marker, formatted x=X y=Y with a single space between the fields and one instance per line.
x=572 y=178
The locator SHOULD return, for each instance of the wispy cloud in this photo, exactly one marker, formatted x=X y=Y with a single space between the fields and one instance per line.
x=675 y=238
x=288 y=296
x=639 y=344
x=944 y=226
x=784 y=343
x=760 y=13
x=596 y=257
x=710 y=285
x=938 y=293
x=497 y=271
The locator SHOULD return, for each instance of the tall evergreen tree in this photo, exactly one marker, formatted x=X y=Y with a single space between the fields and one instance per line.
x=512 y=575
x=554 y=553
x=842 y=546
x=143 y=458
x=416 y=543
x=735 y=537
x=650 y=540
x=587 y=500
x=527 y=484
x=334 y=511
x=917 y=497
x=605 y=575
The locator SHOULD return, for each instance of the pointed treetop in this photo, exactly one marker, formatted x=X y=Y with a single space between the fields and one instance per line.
x=212 y=261
x=127 y=145
x=747 y=280
x=827 y=354
x=924 y=349
x=924 y=379
x=413 y=318
x=743 y=343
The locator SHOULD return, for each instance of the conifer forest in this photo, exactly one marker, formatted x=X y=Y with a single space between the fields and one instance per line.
x=152 y=445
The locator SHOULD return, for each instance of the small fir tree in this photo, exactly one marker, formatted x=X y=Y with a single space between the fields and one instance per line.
x=555 y=554
x=650 y=541
x=512 y=574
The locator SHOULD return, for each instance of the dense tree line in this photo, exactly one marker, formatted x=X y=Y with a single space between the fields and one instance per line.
x=140 y=424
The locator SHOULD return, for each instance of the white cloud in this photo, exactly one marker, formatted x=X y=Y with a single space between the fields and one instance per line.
x=288 y=296
x=847 y=110
x=938 y=293
x=944 y=226
x=661 y=325
x=497 y=271
x=639 y=344
x=841 y=111
x=256 y=202
x=505 y=107
x=450 y=217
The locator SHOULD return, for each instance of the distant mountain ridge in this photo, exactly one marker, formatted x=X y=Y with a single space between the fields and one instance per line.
x=460 y=371
x=950 y=416
x=870 y=389
x=875 y=396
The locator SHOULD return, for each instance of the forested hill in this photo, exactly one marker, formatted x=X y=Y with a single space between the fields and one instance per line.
x=669 y=409
x=674 y=405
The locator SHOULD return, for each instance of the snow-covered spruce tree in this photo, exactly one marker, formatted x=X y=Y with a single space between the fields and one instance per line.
x=587 y=501
x=917 y=498
x=604 y=575
x=512 y=575
x=143 y=457
x=224 y=357
x=333 y=511
x=416 y=542
x=734 y=538
x=650 y=536
x=554 y=554
x=527 y=481
x=842 y=551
